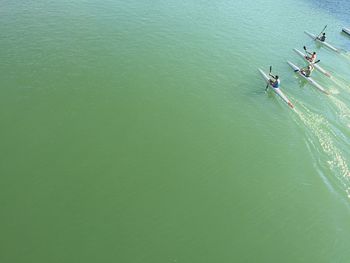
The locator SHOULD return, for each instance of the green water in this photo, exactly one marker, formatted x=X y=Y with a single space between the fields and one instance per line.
x=139 y=131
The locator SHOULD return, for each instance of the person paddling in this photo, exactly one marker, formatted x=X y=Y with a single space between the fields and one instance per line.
x=311 y=57
x=307 y=70
x=322 y=38
x=275 y=81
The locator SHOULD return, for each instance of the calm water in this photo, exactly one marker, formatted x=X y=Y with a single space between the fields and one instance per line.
x=139 y=131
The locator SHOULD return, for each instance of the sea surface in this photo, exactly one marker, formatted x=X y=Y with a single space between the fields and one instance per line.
x=141 y=132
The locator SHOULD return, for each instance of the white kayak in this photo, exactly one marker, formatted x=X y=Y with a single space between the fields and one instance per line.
x=278 y=91
x=319 y=41
x=346 y=30
x=318 y=67
x=310 y=80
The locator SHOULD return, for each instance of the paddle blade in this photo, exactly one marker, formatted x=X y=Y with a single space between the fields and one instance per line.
x=317 y=61
x=270 y=69
x=304 y=48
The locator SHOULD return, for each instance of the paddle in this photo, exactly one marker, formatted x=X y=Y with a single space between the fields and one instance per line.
x=306 y=50
x=269 y=80
x=321 y=32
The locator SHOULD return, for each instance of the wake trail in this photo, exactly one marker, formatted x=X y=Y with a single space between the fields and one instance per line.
x=343 y=111
x=340 y=82
x=318 y=127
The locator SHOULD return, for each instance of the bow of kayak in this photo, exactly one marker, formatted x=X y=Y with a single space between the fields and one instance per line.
x=346 y=30
x=310 y=80
x=278 y=91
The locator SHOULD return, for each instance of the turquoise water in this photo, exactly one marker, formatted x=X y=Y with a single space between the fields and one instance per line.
x=138 y=131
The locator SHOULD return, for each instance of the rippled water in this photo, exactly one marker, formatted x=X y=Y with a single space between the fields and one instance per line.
x=138 y=131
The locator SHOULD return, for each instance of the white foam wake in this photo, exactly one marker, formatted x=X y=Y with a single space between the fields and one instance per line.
x=319 y=127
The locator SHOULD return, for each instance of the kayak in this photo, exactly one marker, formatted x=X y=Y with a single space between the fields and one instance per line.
x=346 y=30
x=319 y=41
x=310 y=80
x=318 y=67
x=278 y=91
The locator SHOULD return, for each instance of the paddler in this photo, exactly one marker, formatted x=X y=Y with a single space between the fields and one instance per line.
x=275 y=81
x=307 y=70
x=322 y=38
x=311 y=57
